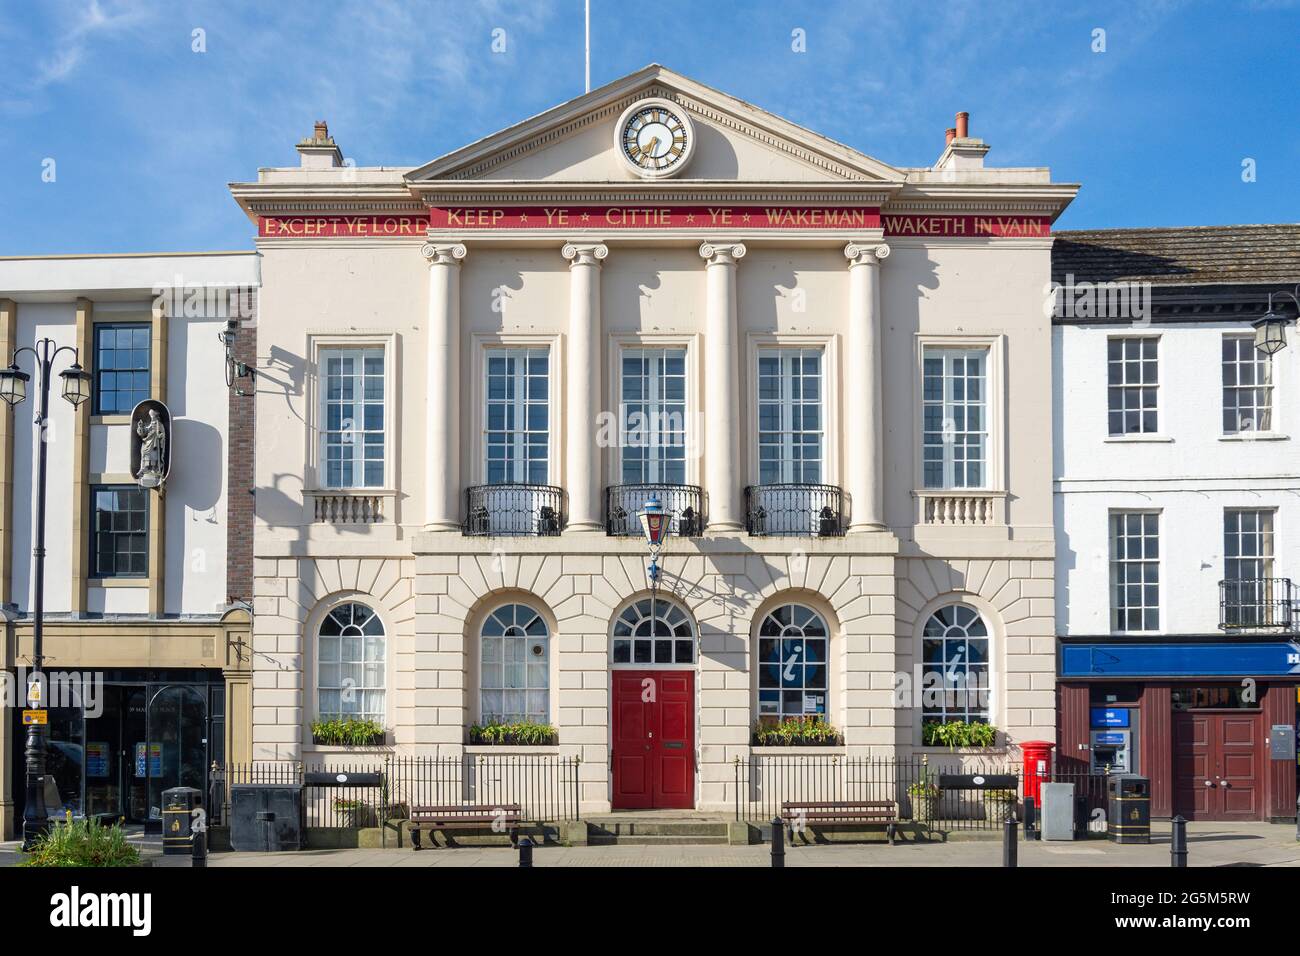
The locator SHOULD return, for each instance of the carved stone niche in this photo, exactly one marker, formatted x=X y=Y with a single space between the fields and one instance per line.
x=151 y=444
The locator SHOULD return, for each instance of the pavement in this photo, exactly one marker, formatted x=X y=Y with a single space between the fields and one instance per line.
x=1209 y=844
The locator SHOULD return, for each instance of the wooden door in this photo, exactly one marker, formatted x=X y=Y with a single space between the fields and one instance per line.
x=1217 y=765
x=654 y=739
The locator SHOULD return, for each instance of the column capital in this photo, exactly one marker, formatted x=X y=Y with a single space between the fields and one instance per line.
x=722 y=253
x=443 y=253
x=584 y=253
x=866 y=253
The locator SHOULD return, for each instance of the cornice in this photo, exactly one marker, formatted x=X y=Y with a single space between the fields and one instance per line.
x=435 y=194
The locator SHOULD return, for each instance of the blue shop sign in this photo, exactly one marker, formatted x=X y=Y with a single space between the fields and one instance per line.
x=1180 y=660
x=1108 y=740
x=1109 y=717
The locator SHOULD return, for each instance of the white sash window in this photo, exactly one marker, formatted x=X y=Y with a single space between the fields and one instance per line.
x=652 y=416
x=517 y=428
x=352 y=417
x=955 y=429
x=790 y=418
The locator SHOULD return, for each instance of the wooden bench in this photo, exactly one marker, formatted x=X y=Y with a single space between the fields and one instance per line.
x=840 y=812
x=466 y=816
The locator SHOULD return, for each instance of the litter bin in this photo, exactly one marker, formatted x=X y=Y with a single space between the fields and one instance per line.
x=1128 y=818
x=178 y=819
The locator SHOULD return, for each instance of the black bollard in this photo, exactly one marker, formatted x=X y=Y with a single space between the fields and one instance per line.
x=199 y=848
x=1031 y=819
x=1009 y=848
x=526 y=853
x=1178 y=845
x=778 y=843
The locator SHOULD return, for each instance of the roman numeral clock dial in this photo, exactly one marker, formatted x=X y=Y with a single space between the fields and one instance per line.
x=654 y=138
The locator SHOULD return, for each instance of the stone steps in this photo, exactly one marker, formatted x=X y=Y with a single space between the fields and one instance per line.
x=632 y=832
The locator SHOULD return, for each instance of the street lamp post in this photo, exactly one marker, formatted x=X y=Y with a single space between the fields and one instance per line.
x=656 y=524
x=13 y=389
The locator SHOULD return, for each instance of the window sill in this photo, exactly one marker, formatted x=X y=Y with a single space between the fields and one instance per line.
x=117 y=419
x=512 y=750
x=1255 y=436
x=996 y=750
x=1136 y=439
x=140 y=581
x=312 y=748
x=835 y=750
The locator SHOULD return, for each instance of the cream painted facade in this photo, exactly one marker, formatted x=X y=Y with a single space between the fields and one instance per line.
x=174 y=615
x=866 y=298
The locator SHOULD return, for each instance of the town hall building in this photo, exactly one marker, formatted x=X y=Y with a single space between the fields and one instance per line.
x=832 y=373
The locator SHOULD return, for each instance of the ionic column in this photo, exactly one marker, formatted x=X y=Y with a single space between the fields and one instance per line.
x=864 y=402
x=442 y=410
x=582 y=376
x=722 y=421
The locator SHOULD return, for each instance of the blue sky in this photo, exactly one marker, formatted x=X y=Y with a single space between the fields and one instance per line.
x=145 y=133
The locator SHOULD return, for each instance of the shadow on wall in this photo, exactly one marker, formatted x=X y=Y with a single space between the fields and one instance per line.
x=200 y=455
x=721 y=162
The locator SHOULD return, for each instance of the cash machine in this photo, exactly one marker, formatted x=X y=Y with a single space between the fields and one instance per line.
x=1112 y=740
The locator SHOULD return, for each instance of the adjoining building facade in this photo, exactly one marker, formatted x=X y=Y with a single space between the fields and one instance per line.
x=149 y=559
x=1176 y=504
x=471 y=376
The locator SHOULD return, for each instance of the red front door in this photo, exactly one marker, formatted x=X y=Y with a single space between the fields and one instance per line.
x=1216 y=765
x=654 y=740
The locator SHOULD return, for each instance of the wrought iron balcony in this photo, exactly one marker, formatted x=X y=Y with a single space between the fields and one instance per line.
x=794 y=510
x=623 y=503
x=513 y=510
x=1258 y=604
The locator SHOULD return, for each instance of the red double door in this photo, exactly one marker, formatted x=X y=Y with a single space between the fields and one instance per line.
x=1217 y=763
x=654 y=740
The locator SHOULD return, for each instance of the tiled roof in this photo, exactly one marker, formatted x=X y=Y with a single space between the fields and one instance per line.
x=1191 y=255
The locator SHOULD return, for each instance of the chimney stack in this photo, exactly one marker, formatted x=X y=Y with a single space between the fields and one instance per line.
x=948 y=135
x=963 y=125
x=320 y=151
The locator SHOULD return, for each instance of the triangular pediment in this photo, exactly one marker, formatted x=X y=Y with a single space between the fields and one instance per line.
x=735 y=142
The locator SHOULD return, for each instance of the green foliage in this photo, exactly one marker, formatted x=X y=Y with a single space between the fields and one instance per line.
x=811 y=731
x=347 y=732
x=925 y=787
x=1000 y=796
x=83 y=843
x=521 y=733
x=958 y=733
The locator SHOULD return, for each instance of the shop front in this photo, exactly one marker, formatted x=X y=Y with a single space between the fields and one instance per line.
x=136 y=734
x=1212 y=724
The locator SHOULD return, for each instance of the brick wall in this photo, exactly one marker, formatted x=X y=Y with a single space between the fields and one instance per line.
x=239 y=463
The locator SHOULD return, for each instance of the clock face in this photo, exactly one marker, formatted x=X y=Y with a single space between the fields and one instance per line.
x=655 y=138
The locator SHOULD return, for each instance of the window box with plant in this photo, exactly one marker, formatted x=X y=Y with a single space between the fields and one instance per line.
x=958 y=733
x=347 y=732
x=797 y=732
x=519 y=733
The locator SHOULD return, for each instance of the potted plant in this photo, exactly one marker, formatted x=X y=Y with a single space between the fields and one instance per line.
x=352 y=813
x=925 y=794
x=998 y=804
x=518 y=733
x=811 y=731
x=347 y=732
x=84 y=842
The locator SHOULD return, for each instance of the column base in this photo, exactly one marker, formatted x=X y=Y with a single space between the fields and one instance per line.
x=724 y=529
x=866 y=528
x=584 y=527
x=447 y=527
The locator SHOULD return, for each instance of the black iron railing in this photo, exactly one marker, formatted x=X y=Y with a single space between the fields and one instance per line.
x=794 y=509
x=623 y=503
x=1258 y=604
x=514 y=509
x=544 y=785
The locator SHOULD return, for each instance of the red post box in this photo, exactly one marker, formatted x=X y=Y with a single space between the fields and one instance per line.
x=1038 y=766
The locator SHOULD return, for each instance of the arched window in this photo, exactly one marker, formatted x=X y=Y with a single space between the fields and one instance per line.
x=955 y=666
x=654 y=632
x=793 y=644
x=514 y=666
x=350 y=669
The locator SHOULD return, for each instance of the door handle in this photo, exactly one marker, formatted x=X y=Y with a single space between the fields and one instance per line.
x=1209 y=783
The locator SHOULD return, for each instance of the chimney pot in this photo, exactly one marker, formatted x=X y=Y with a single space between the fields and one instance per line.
x=949 y=135
x=322 y=131
x=963 y=125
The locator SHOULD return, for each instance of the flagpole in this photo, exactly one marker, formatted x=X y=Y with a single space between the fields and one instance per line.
x=587 y=18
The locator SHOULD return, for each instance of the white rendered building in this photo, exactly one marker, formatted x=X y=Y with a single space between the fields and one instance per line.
x=835 y=374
